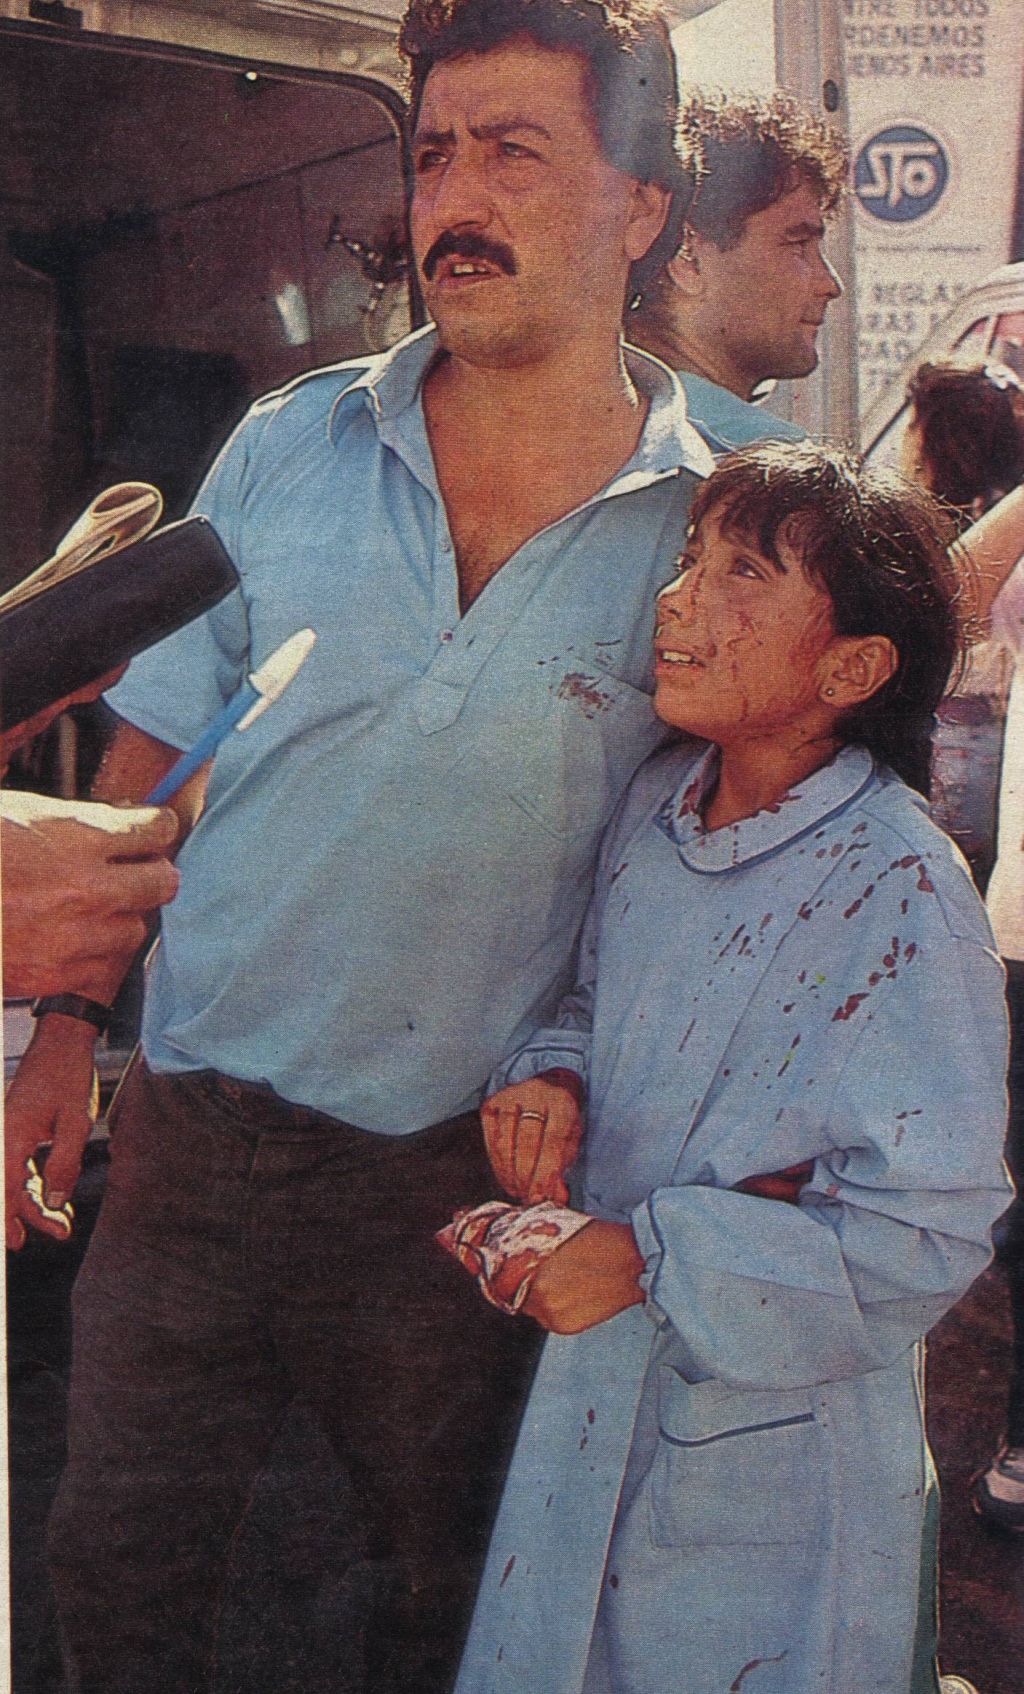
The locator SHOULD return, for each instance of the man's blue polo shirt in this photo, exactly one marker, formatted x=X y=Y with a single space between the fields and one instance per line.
x=726 y=422
x=384 y=891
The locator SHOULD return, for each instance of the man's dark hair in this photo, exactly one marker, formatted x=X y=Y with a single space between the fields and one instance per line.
x=631 y=79
x=878 y=546
x=971 y=419
x=739 y=153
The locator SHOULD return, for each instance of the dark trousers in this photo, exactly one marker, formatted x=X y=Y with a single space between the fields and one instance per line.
x=1012 y=1249
x=248 y=1252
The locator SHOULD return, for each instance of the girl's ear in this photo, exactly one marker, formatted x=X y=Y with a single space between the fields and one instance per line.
x=855 y=667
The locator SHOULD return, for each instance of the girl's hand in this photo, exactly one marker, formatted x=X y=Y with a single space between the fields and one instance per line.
x=588 y=1280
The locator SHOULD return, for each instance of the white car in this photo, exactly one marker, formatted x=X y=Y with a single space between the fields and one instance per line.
x=987 y=323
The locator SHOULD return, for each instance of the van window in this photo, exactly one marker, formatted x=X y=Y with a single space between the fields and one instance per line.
x=177 y=236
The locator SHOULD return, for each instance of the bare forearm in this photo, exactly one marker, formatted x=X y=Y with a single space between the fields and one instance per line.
x=993 y=546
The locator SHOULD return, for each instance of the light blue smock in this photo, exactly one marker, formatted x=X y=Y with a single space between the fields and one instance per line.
x=389 y=877
x=732 y=1477
x=726 y=422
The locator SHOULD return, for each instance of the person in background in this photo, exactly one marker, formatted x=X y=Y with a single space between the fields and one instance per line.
x=722 y=1474
x=962 y=443
x=763 y=174
x=965 y=442
x=742 y=301
x=964 y=439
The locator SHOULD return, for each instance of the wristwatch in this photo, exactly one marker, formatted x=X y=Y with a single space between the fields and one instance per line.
x=74 y=1006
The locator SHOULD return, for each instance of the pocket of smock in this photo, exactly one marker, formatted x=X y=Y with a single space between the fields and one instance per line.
x=734 y=1467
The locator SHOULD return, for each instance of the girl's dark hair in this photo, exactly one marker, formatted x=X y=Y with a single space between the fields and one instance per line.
x=971 y=419
x=878 y=546
x=631 y=77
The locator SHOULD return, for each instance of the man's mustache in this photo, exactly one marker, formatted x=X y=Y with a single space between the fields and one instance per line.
x=468 y=245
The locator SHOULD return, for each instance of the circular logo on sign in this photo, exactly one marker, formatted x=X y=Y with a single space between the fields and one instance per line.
x=900 y=173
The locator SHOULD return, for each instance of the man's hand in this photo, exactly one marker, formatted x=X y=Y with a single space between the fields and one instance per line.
x=532 y=1132
x=78 y=882
x=51 y=1101
x=588 y=1280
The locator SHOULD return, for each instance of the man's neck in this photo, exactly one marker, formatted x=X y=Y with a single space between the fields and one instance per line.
x=683 y=352
x=581 y=393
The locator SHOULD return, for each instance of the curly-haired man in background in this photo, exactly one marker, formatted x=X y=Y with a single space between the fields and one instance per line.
x=743 y=299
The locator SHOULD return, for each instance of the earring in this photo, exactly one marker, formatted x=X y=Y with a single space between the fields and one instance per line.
x=829 y=692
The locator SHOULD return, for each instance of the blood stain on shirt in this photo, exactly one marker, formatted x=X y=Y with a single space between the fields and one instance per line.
x=842 y=1013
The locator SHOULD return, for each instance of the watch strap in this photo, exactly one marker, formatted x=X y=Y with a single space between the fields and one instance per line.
x=74 y=1006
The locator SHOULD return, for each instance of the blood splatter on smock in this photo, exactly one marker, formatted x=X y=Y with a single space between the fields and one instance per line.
x=725 y=1487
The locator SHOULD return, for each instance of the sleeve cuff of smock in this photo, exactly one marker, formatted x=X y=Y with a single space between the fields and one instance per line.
x=651 y=1248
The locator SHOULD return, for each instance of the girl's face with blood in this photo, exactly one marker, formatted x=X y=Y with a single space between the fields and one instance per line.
x=743 y=642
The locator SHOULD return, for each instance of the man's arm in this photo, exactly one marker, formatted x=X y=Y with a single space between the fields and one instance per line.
x=50 y=1101
x=134 y=763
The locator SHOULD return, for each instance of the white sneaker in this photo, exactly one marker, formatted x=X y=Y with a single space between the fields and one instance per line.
x=997 y=1492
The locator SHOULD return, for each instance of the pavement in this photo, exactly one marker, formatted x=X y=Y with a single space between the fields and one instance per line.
x=982 y=1585
x=290 y=1621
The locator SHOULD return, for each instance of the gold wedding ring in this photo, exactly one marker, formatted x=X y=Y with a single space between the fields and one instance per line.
x=540 y=1116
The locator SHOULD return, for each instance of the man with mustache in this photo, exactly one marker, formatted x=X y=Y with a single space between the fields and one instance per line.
x=388 y=877
x=742 y=301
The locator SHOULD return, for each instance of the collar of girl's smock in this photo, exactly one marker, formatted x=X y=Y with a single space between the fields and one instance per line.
x=801 y=808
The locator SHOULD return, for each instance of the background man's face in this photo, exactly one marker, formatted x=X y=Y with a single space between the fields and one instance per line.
x=521 y=228
x=763 y=300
